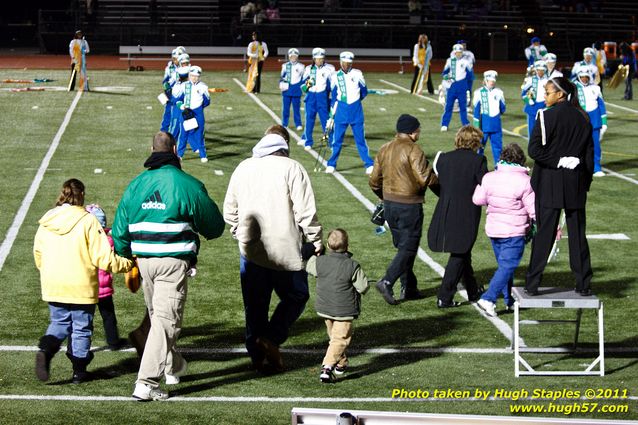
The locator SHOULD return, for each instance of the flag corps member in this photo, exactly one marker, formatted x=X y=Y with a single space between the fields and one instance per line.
x=421 y=57
x=78 y=49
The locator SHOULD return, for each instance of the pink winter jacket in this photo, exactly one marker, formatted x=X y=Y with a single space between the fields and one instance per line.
x=509 y=197
x=105 y=278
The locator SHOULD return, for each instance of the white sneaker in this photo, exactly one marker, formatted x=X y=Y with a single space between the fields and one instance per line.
x=174 y=378
x=301 y=142
x=488 y=306
x=307 y=148
x=196 y=151
x=299 y=128
x=204 y=160
x=599 y=174
x=143 y=392
x=369 y=170
x=443 y=128
x=330 y=170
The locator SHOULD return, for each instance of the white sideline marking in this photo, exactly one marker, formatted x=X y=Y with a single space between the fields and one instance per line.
x=611 y=236
x=620 y=176
x=469 y=114
x=219 y=173
x=12 y=233
x=422 y=110
x=248 y=399
x=314 y=352
x=501 y=325
x=382 y=109
x=34 y=107
x=229 y=108
x=149 y=107
x=624 y=108
x=109 y=107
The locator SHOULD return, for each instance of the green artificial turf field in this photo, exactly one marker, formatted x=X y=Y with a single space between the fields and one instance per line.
x=112 y=130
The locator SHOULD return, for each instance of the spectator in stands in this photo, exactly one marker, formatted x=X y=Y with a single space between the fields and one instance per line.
x=260 y=14
x=437 y=9
x=330 y=6
x=247 y=11
x=272 y=12
x=414 y=7
x=563 y=152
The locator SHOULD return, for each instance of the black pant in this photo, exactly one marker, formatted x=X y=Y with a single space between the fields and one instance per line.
x=406 y=224
x=579 y=259
x=458 y=267
x=73 y=78
x=629 y=91
x=414 y=81
x=257 y=88
x=107 y=311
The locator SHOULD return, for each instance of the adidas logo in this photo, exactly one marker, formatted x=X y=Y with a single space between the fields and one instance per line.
x=154 y=202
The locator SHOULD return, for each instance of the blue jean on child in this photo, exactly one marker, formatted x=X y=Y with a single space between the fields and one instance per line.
x=74 y=321
x=508 y=252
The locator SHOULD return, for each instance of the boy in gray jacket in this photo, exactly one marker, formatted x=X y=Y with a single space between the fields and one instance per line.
x=340 y=283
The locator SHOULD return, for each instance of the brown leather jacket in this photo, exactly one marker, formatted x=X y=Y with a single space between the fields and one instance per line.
x=401 y=171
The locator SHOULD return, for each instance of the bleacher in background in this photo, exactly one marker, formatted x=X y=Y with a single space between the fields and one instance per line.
x=494 y=29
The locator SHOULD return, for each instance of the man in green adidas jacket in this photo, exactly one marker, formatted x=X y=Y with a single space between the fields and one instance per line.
x=158 y=220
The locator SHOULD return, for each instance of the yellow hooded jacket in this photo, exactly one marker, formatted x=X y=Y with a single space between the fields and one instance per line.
x=69 y=248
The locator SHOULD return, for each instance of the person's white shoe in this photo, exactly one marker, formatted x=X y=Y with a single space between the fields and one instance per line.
x=330 y=170
x=369 y=170
x=307 y=148
x=443 y=128
x=204 y=160
x=143 y=392
x=174 y=378
x=301 y=142
x=299 y=128
x=599 y=174
x=488 y=306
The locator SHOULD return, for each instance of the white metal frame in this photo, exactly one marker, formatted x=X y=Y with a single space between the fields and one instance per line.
x=554 y=299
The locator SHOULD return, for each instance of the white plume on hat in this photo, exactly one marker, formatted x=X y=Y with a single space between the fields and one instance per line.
x=540 y=65
x=588 y=51
x=457 y=48
x=490 y=75
x=550 y=57
x=346 y=56
x=184 y=57
x=183 y=71
x=268 y=144
x=318 y=52
x=293 y=51
x=195 y=70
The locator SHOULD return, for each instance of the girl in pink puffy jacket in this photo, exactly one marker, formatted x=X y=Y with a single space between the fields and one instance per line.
x=509 y=198
x=105 y=295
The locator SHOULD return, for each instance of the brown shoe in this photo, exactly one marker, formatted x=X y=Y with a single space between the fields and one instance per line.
x=272 y=353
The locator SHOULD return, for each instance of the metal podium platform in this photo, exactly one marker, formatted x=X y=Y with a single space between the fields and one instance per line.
x=557 y=298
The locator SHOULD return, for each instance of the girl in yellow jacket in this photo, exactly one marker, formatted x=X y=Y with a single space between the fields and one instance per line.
x=70 y=247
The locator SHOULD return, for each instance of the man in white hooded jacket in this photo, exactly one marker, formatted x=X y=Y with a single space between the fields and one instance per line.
x=270 y=206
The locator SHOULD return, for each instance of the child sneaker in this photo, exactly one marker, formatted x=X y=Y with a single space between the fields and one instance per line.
x=143 y=392
x=326 y=376
x=488 y=306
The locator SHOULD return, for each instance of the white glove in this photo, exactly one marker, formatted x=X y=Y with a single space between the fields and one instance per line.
x=192 y=272
x=603 y=130
x=569 y=162
x=330 y=124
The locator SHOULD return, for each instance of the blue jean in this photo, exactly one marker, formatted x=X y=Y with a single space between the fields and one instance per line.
x=74 y=321
x=508 y=252
x=257 y=285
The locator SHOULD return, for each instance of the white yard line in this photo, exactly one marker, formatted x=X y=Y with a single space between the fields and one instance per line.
x=12 y=233
x=263 y=399
x=620 y=176
x=624 y=108
x=501 y=325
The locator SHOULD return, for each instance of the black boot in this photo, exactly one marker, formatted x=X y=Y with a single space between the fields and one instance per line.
x=79 y=368
x=49 y=345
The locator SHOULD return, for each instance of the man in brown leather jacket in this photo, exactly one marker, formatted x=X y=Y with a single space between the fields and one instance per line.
x=400 y=176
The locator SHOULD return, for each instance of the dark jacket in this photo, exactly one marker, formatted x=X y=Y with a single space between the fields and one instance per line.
x=401 y=172
x=455 y=221
x=567 y=133
x=340 y=281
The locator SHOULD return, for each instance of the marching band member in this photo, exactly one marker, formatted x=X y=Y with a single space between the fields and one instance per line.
x=192 y=100
x=533 y=94
x=257 y=52
x=290 y=86
x=348 y=90
x=535 y=52
x=176 y=92
x=470 y=74
x=316 y=85
x=550 y=61
x=421 y=57
x=454 y=74
x=591 y=100
x=588 y=64
x=170 y=78
x=489 y=105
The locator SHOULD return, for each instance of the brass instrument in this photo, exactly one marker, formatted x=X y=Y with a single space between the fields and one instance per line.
x=619 y=76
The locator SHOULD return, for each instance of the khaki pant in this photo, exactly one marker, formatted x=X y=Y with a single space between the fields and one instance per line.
x=340 y=333
x=164 y=284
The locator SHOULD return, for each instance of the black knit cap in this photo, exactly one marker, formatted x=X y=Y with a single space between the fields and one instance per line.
x=407 y=124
